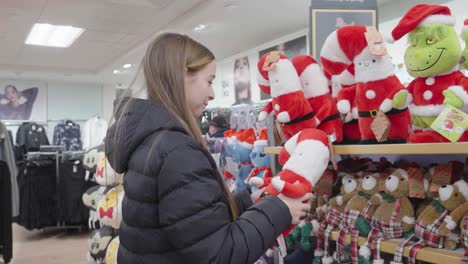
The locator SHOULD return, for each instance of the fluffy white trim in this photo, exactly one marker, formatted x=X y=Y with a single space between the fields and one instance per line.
x=463 y=188
x=366 y=70
x=261 y=80
x=345 y=78
x=408 y=220
x=256 y=181
x=269 y=252
x=315 y=227
x=450 y=223
x=318 y=253
x=261 y=142
x=262 y=116
x=365 y=252
x=355 y=113
x=332 y=51
x=339 y=200
x=409 y=99
x=284 y=79
x=278 y=184
x=386 y=105
x=283 y=117
x=445 y=193
x=343 y=106
x=438 y=19
x=327 y=260
x=453 y=236
x=426 y=110
x=378 y=261
x=464 y=29
x=460 y=92
x=246 y=145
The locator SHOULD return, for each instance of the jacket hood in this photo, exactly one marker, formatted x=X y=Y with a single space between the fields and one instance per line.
x=135 y=120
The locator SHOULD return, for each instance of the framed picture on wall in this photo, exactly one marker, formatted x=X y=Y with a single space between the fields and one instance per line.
x=242 y=89
x=23 y=100
x=325 y=21
x=289 y=48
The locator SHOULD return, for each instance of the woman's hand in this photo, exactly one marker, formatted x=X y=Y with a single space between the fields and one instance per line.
x=297 y=207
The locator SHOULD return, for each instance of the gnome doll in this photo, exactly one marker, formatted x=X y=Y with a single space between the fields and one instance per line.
x=376 y=85
x=289 y=105
x=315 y=86
x=432 y=58
x=241 y=156
x=262 y=169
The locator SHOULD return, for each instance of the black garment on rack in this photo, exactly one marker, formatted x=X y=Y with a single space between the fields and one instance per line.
x=68 y=134
x=30 y=136
x=37 y=184
x=71 y=186
x=6 y=246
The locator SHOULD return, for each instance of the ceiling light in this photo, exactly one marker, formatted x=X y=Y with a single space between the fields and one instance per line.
x=53 y=36
x=126 y=66
x=200 y=27
x=116 y=72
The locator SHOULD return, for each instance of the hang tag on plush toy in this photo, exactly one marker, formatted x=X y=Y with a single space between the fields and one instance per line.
x=451 y=123
x=381 y=126
x=375 y=42
x=441 y=175
x=270 y=60
x=416 y=183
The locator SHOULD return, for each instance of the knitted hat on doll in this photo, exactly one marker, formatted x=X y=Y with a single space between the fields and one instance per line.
x=305 y=136
x=262 y=139
x=262 y=73
x=421 y=14
x=314 y=82
x=312 y=144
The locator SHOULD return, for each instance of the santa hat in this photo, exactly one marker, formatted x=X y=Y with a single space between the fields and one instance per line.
x=262 y=74
x=340 y=48
x=305 y=136
x=247 y=138
x=307 y=68
x=462 y=188
x=419 y=15
x=262 y=139
x=229 y=135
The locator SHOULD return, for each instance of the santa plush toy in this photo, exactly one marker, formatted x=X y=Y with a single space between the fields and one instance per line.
x=432 y=58
x=376 y=84
x=315 y=86
x=340 y=79
x=308 y=155
x=277 y=75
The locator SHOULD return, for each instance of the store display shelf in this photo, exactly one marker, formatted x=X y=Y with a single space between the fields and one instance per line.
x=431 y=255
x=423 y=148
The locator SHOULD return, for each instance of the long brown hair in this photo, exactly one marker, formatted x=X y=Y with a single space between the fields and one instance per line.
x=164 y=64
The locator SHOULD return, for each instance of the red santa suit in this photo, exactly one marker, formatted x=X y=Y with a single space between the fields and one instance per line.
x=315 y=86
x=289 y=104
x=428 y=101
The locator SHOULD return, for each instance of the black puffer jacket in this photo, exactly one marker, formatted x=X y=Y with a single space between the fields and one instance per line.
x=175 y=209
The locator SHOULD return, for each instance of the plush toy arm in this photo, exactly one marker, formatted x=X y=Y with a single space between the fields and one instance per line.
x=295 y=111
x=323 y=112
x=345 y=97
x=400 y=99
x=451 y=221
x=408 y=220
x=287 y=149
x=294 y=190
x=376 y=199
x=268 y=108
x=456 y=96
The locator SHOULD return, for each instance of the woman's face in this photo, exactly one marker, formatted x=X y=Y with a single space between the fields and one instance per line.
x=11 y=94
x=198 y=89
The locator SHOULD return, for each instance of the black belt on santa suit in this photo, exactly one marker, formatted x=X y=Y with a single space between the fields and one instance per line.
x=373 y=113
x=299 y=119
x=330 y=118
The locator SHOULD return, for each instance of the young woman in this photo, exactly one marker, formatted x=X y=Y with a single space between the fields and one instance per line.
x=176 y=207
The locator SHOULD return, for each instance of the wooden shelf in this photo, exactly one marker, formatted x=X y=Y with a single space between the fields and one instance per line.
x=431 y=255
x=423 y=148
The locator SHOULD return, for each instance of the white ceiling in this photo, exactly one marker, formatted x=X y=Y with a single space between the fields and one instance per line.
x=117 y=31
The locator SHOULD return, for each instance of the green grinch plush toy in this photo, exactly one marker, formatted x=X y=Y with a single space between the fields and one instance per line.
x=432 y=58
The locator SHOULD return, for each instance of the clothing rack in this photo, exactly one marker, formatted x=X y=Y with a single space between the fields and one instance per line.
x=58 y=155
